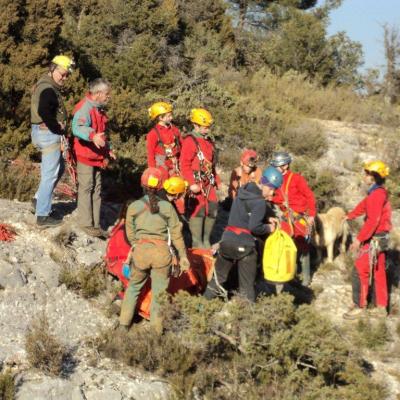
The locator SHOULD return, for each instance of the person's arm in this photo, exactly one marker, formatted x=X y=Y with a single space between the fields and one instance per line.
x=358 y=210
x=188 y=153
x=82 y=125
x=131 y=214
x=47 y=110
x=257 y=216
x=308 y=194
x=151 y=145
x=374 y=208
x=175 y=230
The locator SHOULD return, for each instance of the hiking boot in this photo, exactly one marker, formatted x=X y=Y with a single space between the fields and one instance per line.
x=377 y=312
x=47 y=222
x=355 y=312
x=95 y=232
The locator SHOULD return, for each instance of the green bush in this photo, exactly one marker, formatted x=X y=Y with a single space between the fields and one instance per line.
x=238 y=350
x=7 y=386
x=88 y=281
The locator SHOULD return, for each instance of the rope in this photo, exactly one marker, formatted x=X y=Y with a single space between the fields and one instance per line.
x=7 y=233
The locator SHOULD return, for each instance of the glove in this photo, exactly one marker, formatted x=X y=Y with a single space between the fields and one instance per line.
x=184 y=264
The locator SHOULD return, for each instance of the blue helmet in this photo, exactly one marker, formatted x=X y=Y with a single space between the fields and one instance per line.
x=271 y=177
x=280 y=158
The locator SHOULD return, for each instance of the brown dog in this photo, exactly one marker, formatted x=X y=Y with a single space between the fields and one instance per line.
x=327 y=229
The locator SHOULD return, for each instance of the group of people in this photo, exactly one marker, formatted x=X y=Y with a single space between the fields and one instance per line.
x=181 y=183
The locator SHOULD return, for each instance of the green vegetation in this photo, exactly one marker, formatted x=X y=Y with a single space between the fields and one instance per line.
x=44 y=351
x=7 y=386
x=88 y=281
x=238 y=350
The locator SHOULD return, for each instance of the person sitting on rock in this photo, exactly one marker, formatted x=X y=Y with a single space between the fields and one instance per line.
x=297 y=203
x=150 y=221
x=247 y=220
x=371 y=243
x=245 y=173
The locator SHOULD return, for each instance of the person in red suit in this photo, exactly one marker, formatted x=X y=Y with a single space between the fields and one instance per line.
x=297 y=203
x=197 y=162
x=164 y=140
x=371 y=243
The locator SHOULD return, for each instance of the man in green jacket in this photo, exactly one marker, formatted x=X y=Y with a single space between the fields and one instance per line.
x=150 y=221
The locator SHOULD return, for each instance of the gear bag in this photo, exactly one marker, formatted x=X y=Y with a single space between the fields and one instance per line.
x=279 y=258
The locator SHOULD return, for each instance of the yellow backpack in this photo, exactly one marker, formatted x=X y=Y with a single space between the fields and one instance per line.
x=279 y=258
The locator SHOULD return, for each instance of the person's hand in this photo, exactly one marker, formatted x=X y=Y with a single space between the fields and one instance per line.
x=311 y=220
x=112 y=154
x=355 y=246
x=184 y=264
x=273 y=220
x=345 y=218
x=98 y=140
x=215 y=248
x=272 y=227
x=195 y=188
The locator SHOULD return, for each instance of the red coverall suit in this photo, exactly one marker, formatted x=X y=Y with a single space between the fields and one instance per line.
x=296 y=200
x=377 y=211
x=163 y=148
x=197 y=166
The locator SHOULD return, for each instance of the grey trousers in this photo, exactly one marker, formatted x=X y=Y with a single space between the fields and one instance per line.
x=89 y=195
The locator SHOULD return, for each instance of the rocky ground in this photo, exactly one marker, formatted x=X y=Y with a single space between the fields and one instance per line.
x=30 y=270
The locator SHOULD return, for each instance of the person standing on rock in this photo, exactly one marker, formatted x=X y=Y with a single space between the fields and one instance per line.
x=245 y=173
x=247 y=220
x=197 y=161
x=164 y=140
x=371 y=243
x=150 y=222
x=297 y=203
x=49 y=118
x=93 y=152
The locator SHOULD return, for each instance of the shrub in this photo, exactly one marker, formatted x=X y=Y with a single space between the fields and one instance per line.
x=372 y=336
x=7 y=386
x=88 y=281
x=44 y=350
x=322 y=182
x=238 y=350
x=18 y=181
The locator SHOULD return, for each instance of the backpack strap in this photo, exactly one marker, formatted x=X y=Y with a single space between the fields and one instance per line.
x=161 y=143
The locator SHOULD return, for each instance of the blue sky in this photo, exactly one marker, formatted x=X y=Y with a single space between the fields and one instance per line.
x=363 y=20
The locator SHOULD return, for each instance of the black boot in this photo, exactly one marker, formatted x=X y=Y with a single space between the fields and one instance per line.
x=47 y=222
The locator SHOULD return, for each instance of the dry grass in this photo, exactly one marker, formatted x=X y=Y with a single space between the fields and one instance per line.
x=44 y=350
x=7 y=386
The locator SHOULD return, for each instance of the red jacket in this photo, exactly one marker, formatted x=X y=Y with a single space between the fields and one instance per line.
x=189 y=160
x=89 y=119
x=300 y=197
x=377 y=211
x=170 y=136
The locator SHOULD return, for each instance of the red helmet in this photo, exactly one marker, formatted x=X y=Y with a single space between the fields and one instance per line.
x=249 y=158
x=152 y=178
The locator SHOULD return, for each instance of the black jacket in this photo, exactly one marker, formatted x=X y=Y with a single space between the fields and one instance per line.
x=249 y=211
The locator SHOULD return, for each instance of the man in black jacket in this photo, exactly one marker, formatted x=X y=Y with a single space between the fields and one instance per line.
x=49 y=118
x=247 y=219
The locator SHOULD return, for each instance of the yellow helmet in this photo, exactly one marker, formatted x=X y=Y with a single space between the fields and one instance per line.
x=377 y=166
x=201 y=116
x=175 y=185
x=64 y=62
x=159 y=108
